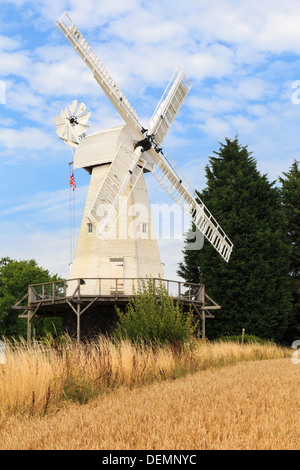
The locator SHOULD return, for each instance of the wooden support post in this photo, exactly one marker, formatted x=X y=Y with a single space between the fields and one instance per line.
x=78 y=323
x=78 y=285
x=203 y=323
x=29 y=316
x=203 y=310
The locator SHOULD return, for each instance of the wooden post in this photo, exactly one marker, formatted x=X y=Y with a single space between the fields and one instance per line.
x=78 y=323
x=78 y=285
x=203 y=310
x=29 y=295
x=29 y=315
x=203 y=323
x=243 y=333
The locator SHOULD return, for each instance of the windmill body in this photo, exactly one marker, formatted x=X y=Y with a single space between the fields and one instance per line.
x=130 y=250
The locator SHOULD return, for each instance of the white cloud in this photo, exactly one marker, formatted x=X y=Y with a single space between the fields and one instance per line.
x=250 y=89
x=15 y=2
x=14 y=63
x=156 y=30
x=89 y=14
x=39 y=228
x=264 y=26
x=67 y=76
x=215 y=126
x=46 y=207
x=206 y=105
x=8 y=43
x=92 y=13
x=21 y=98
x=213 y=61
x=50 y=249
x=242 y=125
x=26 y=138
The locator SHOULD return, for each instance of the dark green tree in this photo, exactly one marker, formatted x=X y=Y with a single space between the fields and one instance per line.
x=253 y=288
x=290 y=196
x=15 y=276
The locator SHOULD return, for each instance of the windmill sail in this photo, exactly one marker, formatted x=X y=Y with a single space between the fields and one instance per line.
x=168 y=106
x=102 y=76
x=102 y=213
x=173 y=181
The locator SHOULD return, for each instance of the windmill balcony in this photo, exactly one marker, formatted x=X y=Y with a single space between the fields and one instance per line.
x=83 y=288
x=96 y=299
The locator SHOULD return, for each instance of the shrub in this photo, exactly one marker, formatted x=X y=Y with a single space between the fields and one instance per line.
x=152 y=316
x=247 y=339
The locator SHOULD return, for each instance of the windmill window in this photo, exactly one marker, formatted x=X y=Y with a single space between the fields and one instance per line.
x=144 y=227
x=89 y=228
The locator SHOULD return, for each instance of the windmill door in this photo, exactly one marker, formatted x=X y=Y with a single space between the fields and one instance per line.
x=117 y=275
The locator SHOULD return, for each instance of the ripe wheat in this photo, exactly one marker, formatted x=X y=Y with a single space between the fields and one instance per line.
x=37 y=379
x=253 y=405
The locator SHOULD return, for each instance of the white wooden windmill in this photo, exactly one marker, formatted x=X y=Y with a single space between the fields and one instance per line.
x=117 y=159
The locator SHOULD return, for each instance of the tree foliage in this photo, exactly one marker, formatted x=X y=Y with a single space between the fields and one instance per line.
x=15 y=276
x=290 y=196
x=152 y=317
x=253 y=287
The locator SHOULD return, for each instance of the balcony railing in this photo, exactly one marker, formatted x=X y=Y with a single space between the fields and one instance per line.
x=76 y=289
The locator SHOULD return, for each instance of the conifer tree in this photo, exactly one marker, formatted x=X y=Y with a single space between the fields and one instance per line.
x=253 y=287
x=290 y=196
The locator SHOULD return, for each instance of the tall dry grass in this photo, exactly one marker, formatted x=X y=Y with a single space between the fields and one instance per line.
x=40 y=378
x=252 y=405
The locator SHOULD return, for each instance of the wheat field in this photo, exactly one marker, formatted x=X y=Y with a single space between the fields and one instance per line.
x=251 y=402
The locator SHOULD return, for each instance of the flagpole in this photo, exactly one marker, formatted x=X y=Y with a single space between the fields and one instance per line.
x=71 y=247
x=73 y=223
x=72 y=200
x=71 y=251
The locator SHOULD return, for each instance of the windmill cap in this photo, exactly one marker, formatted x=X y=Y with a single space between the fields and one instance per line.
x=100 y=147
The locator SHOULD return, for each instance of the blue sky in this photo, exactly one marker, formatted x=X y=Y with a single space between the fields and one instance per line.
x=242 y=59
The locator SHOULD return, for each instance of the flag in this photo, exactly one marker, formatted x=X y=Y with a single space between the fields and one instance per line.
x=72 y=181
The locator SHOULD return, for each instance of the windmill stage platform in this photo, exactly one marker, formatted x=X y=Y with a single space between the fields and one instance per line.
x=95 y=299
